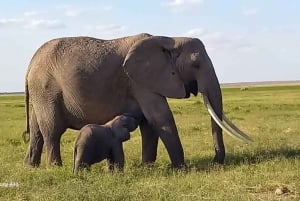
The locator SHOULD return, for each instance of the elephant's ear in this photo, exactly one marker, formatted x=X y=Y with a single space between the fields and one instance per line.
x=151 y=64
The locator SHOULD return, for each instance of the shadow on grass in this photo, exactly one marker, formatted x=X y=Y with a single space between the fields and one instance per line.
x=247 y=158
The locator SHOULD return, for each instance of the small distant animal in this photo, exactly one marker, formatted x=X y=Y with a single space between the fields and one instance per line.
x=244 y=88
x=98 y=142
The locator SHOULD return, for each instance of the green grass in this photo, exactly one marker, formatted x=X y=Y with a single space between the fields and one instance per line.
x=271 y=116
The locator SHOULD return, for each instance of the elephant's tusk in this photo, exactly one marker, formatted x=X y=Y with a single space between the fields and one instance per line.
x=231 y=131
x=234 y=127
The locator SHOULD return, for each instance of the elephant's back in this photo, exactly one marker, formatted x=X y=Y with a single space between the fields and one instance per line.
x=74 y=66
x=82 y=53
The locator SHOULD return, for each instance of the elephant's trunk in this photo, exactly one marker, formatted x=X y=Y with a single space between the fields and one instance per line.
x=213 y=100
x=214 y=96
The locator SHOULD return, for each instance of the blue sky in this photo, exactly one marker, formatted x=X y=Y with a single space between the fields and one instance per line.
x=246 y=40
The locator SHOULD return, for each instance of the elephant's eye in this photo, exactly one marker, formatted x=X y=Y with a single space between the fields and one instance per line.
x=167 y=52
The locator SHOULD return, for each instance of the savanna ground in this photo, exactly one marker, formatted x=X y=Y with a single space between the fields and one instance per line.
x=271 y=116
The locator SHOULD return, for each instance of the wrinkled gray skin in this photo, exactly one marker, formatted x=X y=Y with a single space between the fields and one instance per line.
x=98 y=142
x=81 y=80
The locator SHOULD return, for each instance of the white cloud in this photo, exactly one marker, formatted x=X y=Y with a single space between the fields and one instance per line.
x=250 y=11
x=110 y=28
x=31 y=20
x=245 y=47
x=212 y=40
x=45 y=24
x=11 y=21
x=264 y=29
x=107 y=8
x=34 y=13
x=75 y=11
x=216 y=41
x=195 y=32
x=105 y=31
x=71 y=10
x=180 y=5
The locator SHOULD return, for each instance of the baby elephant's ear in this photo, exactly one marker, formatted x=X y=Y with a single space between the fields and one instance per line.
x=129 y=122
x=123 y=126
x=121 y=133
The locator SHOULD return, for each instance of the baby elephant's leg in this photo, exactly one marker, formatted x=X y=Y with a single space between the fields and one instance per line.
x=81 y=159
x=116 y=159
x=84 y=166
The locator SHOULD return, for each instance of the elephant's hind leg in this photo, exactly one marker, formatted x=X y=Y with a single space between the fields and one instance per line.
x=53 y=149
x=52 y=126
x=34 y=152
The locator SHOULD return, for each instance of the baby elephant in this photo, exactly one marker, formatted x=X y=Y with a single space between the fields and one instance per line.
x=98 y=142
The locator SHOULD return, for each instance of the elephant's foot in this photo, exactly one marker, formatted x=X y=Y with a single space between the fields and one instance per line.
x=115 y=167
x=57 y=163
x=81 y=168
x=53 y=153
x=149 y=149
x=54 y=159
x=181 y=166
x=34 y=152
x=32 y=158
x=149 y=157
x=219 y=158
x=175 y=149
x=149 y=154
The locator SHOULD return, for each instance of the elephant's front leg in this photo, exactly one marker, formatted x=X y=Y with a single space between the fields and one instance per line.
x=160 y=118
x=149 y=142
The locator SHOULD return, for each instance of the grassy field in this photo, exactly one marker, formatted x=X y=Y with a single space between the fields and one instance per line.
x=271 y=116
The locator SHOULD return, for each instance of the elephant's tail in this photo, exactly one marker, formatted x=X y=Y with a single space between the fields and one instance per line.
x=74 y=157
x=27 y=131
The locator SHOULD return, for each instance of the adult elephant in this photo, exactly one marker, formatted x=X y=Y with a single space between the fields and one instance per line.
x=79 y=80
